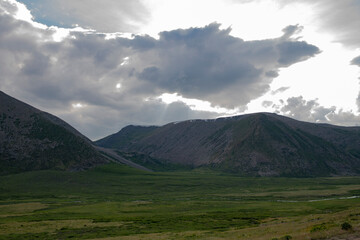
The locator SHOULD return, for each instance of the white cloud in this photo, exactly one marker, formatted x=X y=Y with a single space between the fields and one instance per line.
x=312 y=111
x=20 y=12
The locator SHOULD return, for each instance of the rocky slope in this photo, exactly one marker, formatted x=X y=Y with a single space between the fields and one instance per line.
x=32 y=140
x=260 y=144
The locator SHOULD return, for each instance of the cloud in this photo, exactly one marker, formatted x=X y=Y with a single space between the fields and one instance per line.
x=312 y=111
x=341 y=18
x=279 y=90
x=299 y=108
x=103 y=16
x=267 y=104
x=356 y=61
x=292 y=52
x=292 y=30
x=272 y=74
x=346 y=118
x=99 y=121
x=210 y=64
x=85 y=68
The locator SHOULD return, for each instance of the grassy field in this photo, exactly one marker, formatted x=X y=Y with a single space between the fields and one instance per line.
x=117 y=202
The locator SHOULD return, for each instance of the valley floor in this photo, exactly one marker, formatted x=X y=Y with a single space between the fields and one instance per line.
x=117 y=202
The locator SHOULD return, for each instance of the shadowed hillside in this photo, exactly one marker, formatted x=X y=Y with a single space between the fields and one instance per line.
x=261 y=144
x=32 y=140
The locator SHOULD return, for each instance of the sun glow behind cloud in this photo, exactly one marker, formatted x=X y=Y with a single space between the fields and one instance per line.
x=196 y=104
x=78 y=105
x=24 y=14
x=249 y=20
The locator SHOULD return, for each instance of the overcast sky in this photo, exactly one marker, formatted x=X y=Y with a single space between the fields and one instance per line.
x=101 y=65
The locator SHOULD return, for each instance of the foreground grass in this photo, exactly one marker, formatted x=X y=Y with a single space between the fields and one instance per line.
x=117 y=202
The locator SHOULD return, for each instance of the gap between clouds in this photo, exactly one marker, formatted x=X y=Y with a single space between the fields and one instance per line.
x=106 y=16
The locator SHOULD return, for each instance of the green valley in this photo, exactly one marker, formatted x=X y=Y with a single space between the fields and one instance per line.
x=117 y=202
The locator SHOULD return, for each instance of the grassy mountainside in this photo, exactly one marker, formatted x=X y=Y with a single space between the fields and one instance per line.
x=256 y=144
x=32 y=140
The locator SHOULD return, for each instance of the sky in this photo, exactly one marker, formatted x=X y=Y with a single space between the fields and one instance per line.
x=102 y=65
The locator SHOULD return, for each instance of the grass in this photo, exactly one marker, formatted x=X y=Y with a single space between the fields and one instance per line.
x=118 y=202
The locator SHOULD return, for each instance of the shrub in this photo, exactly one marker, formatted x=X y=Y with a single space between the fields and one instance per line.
x=320 y=227
x=346 y=226
x=286 y=237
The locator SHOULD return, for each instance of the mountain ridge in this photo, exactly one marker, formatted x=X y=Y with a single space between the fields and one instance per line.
x=260 y=144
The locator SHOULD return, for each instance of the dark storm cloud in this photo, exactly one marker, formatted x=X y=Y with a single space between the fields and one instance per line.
x=272 y=74
x=83 y=70
x=292 y=52
x=210 y=64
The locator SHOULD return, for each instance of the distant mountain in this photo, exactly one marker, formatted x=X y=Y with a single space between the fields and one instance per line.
x=33 y=140
x=127 y=136
x=261 y=144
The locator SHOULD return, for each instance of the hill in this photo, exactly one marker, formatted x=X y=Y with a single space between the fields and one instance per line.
x=31 y=139
x=261 y=144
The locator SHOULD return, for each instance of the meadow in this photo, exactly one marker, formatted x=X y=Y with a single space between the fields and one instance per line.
x=117 y=202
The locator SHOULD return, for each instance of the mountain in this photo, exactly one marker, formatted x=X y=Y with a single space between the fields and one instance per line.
x=31 y=139
x=127 y=136
x=261 y=144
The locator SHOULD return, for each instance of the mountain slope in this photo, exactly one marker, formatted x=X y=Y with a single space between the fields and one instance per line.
x=127 y=135
x=260 y=144
x=32 y=140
